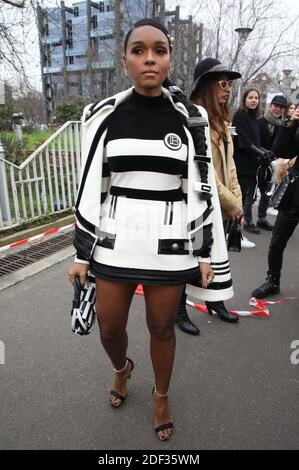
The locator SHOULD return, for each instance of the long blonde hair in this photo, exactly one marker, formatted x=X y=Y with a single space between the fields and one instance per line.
x=218 y=113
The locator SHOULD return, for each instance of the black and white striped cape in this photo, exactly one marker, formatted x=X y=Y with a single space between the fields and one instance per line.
x=94 y=185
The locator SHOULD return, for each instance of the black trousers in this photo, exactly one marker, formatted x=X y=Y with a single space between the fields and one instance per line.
x=263 y=185
x=248 y=185
x=286 y=222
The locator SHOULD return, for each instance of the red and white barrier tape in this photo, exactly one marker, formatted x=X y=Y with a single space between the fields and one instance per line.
x=261 y=304
x=262 y=310
x=36 y=237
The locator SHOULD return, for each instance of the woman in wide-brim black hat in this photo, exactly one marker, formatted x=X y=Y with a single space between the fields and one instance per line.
x=210 y=69
x=212 y=86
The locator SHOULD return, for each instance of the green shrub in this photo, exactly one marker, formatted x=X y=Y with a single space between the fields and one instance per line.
x=70 y=110
x=14 y=151
x=28 y=129
x=6 y=111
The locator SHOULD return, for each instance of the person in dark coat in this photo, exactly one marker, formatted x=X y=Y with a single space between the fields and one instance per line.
x=247 y=127
x=286 y=146
x=269 y=127
x=290 y=109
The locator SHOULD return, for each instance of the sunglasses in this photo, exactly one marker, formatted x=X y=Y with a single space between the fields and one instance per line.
x=225 y=83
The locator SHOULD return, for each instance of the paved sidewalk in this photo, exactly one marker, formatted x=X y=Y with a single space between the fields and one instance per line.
x=233 y=387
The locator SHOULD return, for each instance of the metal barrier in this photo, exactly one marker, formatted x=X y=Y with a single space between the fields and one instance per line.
x=46 y=182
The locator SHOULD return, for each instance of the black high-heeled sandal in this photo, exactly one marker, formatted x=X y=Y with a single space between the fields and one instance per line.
x=164 y=426
x=116 y=394
x=220 y=309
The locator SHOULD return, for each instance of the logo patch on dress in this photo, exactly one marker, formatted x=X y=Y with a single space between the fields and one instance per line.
x=173 y=141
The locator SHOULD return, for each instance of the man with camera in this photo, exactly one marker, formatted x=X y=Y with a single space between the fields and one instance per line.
x=285 y=146
x=269 y=126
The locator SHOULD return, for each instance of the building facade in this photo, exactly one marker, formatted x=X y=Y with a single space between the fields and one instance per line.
x=81 y=47
x=284 y=83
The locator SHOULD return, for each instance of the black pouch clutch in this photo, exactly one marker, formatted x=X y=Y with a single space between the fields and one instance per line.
x=234 y=237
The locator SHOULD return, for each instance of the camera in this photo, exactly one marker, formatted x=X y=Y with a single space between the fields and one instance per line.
x=264 y=156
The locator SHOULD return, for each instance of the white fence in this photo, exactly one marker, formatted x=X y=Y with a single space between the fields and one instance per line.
x=46 y=182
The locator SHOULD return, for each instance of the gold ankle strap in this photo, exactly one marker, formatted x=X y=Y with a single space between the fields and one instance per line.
x=160 y=395
x=123 y=369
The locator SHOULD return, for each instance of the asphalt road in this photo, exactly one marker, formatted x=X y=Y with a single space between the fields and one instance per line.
x=234 y=387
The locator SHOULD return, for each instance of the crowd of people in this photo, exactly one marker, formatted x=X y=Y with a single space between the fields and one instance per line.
x=163 y=177
x=247 y=163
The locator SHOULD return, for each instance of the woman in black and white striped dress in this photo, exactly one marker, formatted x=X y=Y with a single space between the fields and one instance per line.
x=133 y=222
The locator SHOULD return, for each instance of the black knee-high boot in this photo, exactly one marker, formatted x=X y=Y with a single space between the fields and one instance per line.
x=183 y=321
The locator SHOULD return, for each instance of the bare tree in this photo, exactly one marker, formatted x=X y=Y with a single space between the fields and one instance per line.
x=15 y=21
x=273 y=40
x=17 y=4
x=30 y=103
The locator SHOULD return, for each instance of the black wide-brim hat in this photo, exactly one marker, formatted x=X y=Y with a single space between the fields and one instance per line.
x=210 y=68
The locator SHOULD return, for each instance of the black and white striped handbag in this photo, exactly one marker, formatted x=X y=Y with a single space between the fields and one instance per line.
x=84 y=310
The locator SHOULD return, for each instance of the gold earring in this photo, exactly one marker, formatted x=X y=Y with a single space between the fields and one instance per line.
x=170 y=71
x=125 y=70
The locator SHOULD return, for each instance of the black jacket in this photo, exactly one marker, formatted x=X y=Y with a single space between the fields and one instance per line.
x=286 y=145
x=267 y=139
x=248 y=131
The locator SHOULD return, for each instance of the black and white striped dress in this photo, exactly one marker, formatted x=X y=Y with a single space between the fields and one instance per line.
x=143 y=225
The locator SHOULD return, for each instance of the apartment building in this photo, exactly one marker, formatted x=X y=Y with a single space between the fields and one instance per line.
x=81 y=47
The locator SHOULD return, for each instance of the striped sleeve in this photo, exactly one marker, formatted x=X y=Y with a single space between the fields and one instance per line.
x=106 y=176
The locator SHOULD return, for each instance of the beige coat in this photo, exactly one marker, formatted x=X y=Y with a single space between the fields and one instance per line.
x=229 y=190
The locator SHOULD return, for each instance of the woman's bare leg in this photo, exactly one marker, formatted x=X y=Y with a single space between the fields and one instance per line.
x=161 y=309
x=113 y=304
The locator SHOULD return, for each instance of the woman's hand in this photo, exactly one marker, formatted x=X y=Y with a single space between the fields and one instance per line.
x=283 y=172
x=207 y=274
x=78 y=269
x=283 y=168
x=236 y=213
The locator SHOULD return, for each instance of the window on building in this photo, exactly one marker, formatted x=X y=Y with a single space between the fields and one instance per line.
x=101 y=7
x=76 y=11
x=47 y=56
x=94 y=22
x=46 y=29
x=108 y=8
x=106 y=36
x=69 y=32
x=71 y=60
